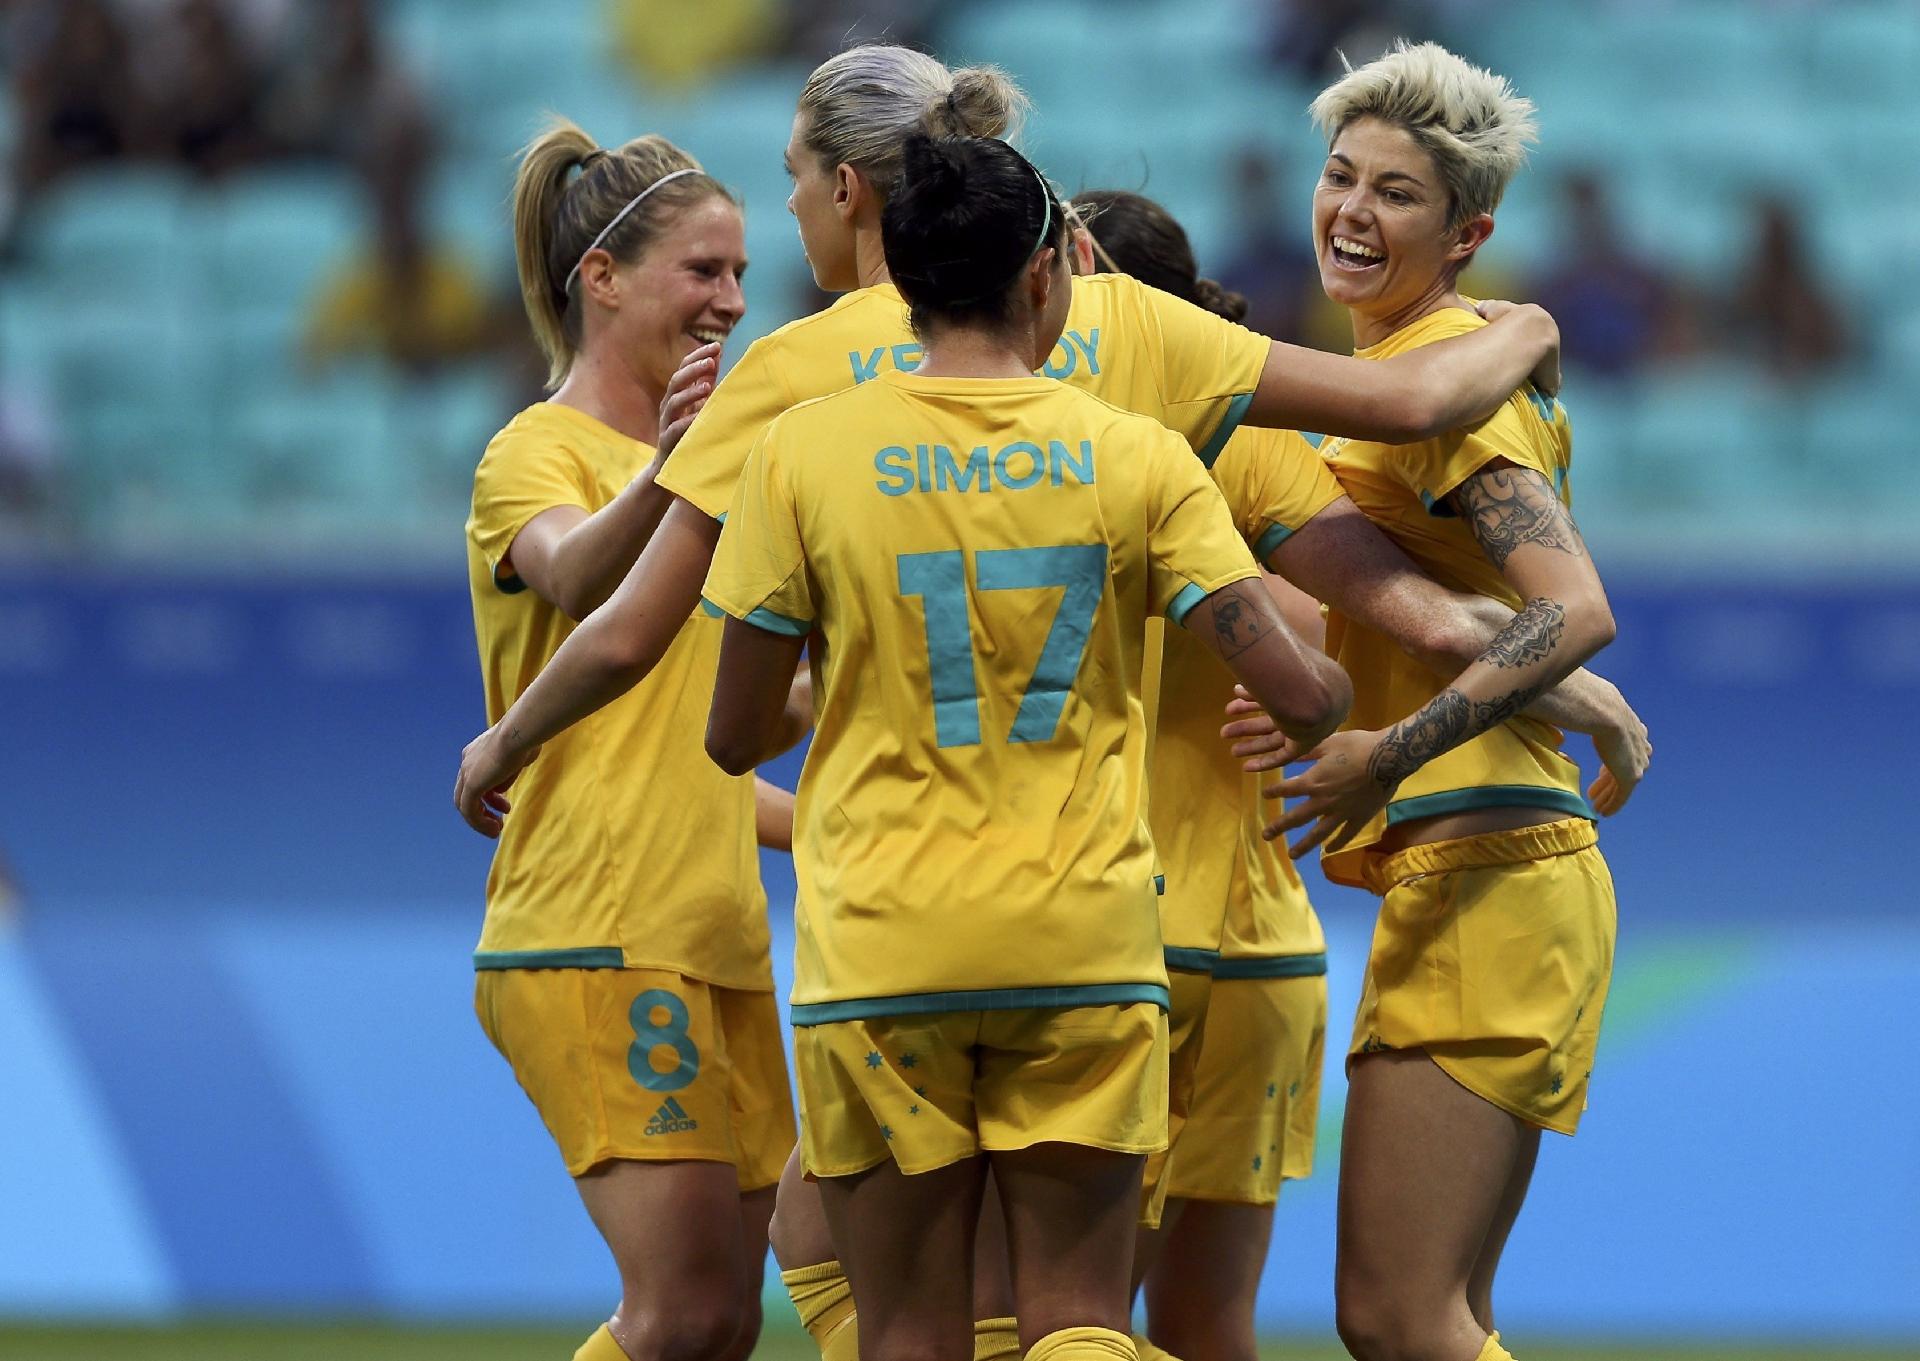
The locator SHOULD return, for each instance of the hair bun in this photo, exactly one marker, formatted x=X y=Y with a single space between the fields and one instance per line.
x=1222 y=302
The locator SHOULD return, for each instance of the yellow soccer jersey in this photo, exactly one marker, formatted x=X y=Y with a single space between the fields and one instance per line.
x=626 y=845
x=1404 y=489
x=1139 y=348
x=981 y=556
x=1230 y=893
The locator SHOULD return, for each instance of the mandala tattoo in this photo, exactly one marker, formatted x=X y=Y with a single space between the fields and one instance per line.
x=1449 y=719
x=1508 y=507
x=1529 y=638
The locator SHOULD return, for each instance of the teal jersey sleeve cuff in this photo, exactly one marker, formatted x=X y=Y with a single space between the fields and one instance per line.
x=1230 y=422
x=1271 y=538
x=1182 y=604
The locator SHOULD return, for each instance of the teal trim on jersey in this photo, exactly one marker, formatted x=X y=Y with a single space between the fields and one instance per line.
x=980 y=999
x=712 y=610
x=1490 y=796
x=1271 y=538
x=1182 y=604
x=1188 y=959
x=764 y=618
x=1236 y=411
x=582 y=957
x=1273 y=966
x=1313 y=437
x=1160 y=885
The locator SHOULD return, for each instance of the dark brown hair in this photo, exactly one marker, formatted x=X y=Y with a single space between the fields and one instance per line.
x=1134 y=235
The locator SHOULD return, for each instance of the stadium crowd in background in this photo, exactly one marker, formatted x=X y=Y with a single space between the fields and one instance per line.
x=234 y=91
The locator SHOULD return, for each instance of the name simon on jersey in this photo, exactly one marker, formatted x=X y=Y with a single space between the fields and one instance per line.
x=1016 y=466
x=1072 y=350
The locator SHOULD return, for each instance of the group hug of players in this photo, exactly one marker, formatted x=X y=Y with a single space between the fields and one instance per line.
x=1033 y=509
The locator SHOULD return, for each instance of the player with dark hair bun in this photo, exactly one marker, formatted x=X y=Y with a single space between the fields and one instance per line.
x=980 y=546
x=969 y=214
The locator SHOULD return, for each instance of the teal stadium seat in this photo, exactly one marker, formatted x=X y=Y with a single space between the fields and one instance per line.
x=1708 y=435
x=119 y=233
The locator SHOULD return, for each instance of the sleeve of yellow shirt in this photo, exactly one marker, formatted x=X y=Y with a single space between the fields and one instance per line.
x=517 y=479
x=1274 y=482
x=759 y=572
x=1193 y=548
x=1209 y=365
x=706 y=465
x=1434 y=469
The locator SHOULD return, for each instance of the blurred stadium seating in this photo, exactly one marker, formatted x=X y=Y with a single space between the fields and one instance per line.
x=165 y=318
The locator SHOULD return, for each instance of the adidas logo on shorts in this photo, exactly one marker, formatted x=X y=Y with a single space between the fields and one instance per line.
x=671 y=1118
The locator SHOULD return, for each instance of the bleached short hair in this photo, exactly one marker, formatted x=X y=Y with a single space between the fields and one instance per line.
x=1467 y=118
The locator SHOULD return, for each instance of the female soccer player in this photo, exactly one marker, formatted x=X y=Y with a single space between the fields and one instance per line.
x=1494 y=944
x=1241 y=938
x=623 y=969
x=980 y=976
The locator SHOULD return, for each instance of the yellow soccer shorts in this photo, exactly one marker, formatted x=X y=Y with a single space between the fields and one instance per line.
x=931 y=1090
x=1256 y=1096
x=1493 y=954
x=645 y=1064
x=1188 y=993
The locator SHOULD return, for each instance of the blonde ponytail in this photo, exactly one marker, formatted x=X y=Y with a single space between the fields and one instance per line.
x=556 y=219
x=861 y=104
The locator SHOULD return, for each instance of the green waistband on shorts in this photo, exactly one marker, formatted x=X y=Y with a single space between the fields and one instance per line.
x=1490 y=796
x=1273 y=966
x=980 y=999
x=1188 y=959
x=582 y=957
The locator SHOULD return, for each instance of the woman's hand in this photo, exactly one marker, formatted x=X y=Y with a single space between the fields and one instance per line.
x=480 y=790
x=687 y=391
x=1256 y=738
x=1626 y=751
x=1546 y=374
x=1337 y=794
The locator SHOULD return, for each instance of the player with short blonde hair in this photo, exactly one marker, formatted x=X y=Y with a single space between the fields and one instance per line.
x=1492 y=953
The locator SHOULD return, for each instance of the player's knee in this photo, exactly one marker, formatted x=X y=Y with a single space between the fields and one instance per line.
x=1374 y=1326
x=694 y=1329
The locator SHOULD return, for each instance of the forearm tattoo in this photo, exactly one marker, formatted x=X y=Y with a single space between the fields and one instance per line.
x=1449 y=719
x=1237 y=622
x=1508 y=507
x=1529 y=638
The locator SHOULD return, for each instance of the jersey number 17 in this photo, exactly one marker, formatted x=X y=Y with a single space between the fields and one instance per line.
x=940 y=582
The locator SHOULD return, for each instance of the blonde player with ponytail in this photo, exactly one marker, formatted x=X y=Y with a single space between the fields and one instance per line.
x=623 y=969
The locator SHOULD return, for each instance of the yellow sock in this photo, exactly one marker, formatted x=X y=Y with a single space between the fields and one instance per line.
x=1150 y=1350
x=996 y=1339
x=601 y=1347
x=824 y=1301
x=1493 y=1351
x=1083 y=1344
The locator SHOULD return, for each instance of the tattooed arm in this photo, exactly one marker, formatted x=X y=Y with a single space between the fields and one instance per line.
x=1530 y=537
x=1303 y=689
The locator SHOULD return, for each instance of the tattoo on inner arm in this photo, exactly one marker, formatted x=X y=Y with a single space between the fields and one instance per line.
x=1449 y=719
x=1237 y=623
x=1529 y=638
x=1508 y=507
